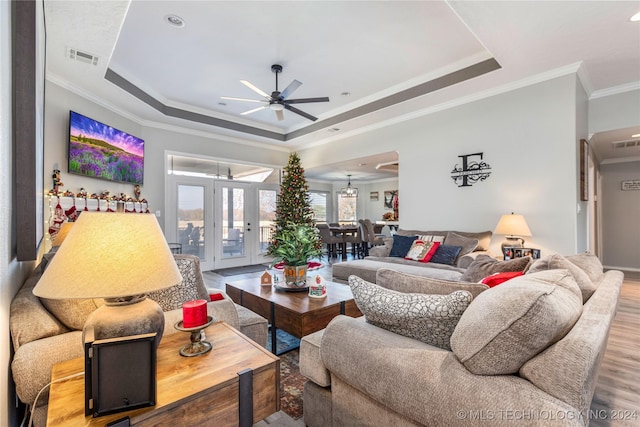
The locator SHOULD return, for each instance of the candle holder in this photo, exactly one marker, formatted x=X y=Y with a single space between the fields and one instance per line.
x=197 y=346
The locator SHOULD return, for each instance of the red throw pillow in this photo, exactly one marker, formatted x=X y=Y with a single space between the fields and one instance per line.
x=429 y=255
x=497 y=278
x=216 y=297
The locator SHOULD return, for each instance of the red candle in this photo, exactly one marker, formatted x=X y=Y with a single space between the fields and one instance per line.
x=194 y=313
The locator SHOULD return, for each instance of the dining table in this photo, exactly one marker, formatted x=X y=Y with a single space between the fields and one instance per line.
x=342 y=231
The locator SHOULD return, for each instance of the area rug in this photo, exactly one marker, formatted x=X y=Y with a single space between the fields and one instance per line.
x=241 y=270
x=291 y=381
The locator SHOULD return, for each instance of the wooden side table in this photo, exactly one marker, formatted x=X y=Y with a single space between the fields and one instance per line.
x=201 y=390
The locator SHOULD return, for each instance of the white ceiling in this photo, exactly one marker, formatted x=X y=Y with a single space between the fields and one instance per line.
x=387 y=55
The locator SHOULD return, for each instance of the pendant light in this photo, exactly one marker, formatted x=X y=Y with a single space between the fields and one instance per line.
x=349 y=191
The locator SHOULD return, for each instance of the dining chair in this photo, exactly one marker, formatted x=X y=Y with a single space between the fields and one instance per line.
x=332 y=242
x=374 y=239
x=356 y=241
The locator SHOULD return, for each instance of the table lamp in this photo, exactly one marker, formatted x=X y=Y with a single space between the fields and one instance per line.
x=119 y=257
x=513 y=227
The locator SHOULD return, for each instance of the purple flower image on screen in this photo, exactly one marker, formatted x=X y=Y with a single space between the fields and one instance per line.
x=101 y=151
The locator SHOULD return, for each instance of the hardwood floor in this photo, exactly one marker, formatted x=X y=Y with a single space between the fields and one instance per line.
x=616 y=401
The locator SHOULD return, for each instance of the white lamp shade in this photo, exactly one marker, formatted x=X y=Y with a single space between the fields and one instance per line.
x=512 y=225
x=110 y=255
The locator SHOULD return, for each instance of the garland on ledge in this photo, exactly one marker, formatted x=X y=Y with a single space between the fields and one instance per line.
x=66 y=209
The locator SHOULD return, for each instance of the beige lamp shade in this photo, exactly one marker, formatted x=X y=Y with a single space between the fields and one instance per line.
x=110 y=255
x=512 y=225
x=62 y=233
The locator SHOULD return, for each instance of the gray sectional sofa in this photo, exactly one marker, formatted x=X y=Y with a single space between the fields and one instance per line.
x=46 y=332
x=524 y=352
x=379 y=258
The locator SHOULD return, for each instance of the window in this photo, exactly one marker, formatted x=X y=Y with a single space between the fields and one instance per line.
x=346 y=208
x=319 y=205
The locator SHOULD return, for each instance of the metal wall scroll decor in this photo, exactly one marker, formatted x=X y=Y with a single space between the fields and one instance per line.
x=471 y=170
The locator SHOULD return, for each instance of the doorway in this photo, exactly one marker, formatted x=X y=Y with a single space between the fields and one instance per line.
x=224 y=220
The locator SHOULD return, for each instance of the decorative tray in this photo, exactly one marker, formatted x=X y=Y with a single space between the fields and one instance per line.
x=285 y=288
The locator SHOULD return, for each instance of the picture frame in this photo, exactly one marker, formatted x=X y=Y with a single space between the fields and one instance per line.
x=584 y=170
x=373 y=196
x=388 y=198
x=512 y=252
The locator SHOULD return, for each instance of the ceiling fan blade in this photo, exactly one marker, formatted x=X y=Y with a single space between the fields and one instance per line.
x=255 y=89
x=232 y=98
x=279 y=115
x=306 y=100
x=300 y=112
x=289 y=89
x=254 y=110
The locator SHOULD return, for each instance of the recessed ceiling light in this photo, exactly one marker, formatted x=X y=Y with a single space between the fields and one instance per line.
x=637 y=135
x=174 y=21
x=224 y=104
x=345 y=93
x=636 y=17
x=333 y=129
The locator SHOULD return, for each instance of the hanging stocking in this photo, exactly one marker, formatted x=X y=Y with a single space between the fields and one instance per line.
x=72 y=212
x=98 y=209
x=56 y=220
x=86 y=209
x=109 y=206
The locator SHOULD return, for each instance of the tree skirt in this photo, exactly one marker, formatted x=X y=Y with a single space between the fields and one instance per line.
x=311 y=265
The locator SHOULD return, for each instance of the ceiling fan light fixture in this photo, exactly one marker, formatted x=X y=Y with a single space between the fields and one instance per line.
x=276 y=107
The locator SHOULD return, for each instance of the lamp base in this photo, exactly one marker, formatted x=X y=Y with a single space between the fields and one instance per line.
x=512 y=242
x=121 y=319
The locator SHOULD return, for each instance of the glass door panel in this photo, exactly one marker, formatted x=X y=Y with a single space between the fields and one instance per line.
x=267 y=212
x=233 y=220
x=190 y=224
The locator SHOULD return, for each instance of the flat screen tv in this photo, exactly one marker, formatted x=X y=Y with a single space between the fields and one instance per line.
x=100 y=151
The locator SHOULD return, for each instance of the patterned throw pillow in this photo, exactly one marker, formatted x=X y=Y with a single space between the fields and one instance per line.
x=431 y=238
x=422 y=251
x=401 y=245
x=428 y=318
x=446 y=254
x=191 y=288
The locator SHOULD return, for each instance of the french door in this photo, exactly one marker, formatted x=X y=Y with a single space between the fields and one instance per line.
x=226 y=223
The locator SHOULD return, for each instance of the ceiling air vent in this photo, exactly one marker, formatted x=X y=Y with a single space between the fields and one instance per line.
x=81 y=56
x=625 y=144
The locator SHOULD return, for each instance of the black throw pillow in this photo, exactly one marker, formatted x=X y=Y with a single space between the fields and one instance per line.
x=401 y=245
x=446 y=254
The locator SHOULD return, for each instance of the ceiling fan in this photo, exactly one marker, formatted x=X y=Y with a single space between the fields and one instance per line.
x=278 y=101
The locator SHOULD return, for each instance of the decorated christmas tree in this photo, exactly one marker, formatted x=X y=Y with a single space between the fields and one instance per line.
x=294 y=236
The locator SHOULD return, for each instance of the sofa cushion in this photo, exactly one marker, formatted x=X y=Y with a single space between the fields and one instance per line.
x=509 y=324
x=555 y=261
x=446 y=254
x=485 y=266
x=191 y=288
x=401 y=245
x=467 y=244
x=410 y=283
x=589 y=263
x=422 y=250
x=428 y=318
x=71 y=312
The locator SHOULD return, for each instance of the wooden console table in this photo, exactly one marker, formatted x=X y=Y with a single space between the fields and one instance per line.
x=201 y=390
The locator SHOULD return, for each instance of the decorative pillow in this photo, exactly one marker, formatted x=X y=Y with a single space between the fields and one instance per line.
x=589 y=263
x=555 y=261
x=467 y=244
x=446 y=254
x=431 y=238
x=422 y=251
x=428 y=318
x=409 y=283
x=497 y=278
x=72 y=313
x=191 y=288
x=484 y=266
x=401 y=245
x=509 y=324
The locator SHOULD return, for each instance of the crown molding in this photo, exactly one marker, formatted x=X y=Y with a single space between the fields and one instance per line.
x=628 y=87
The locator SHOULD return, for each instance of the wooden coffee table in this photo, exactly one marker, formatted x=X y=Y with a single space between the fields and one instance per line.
x=293 y=312
x=200 y=390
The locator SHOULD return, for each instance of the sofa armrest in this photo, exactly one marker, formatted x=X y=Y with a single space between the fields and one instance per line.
x=32 y=363
x=424 y=383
